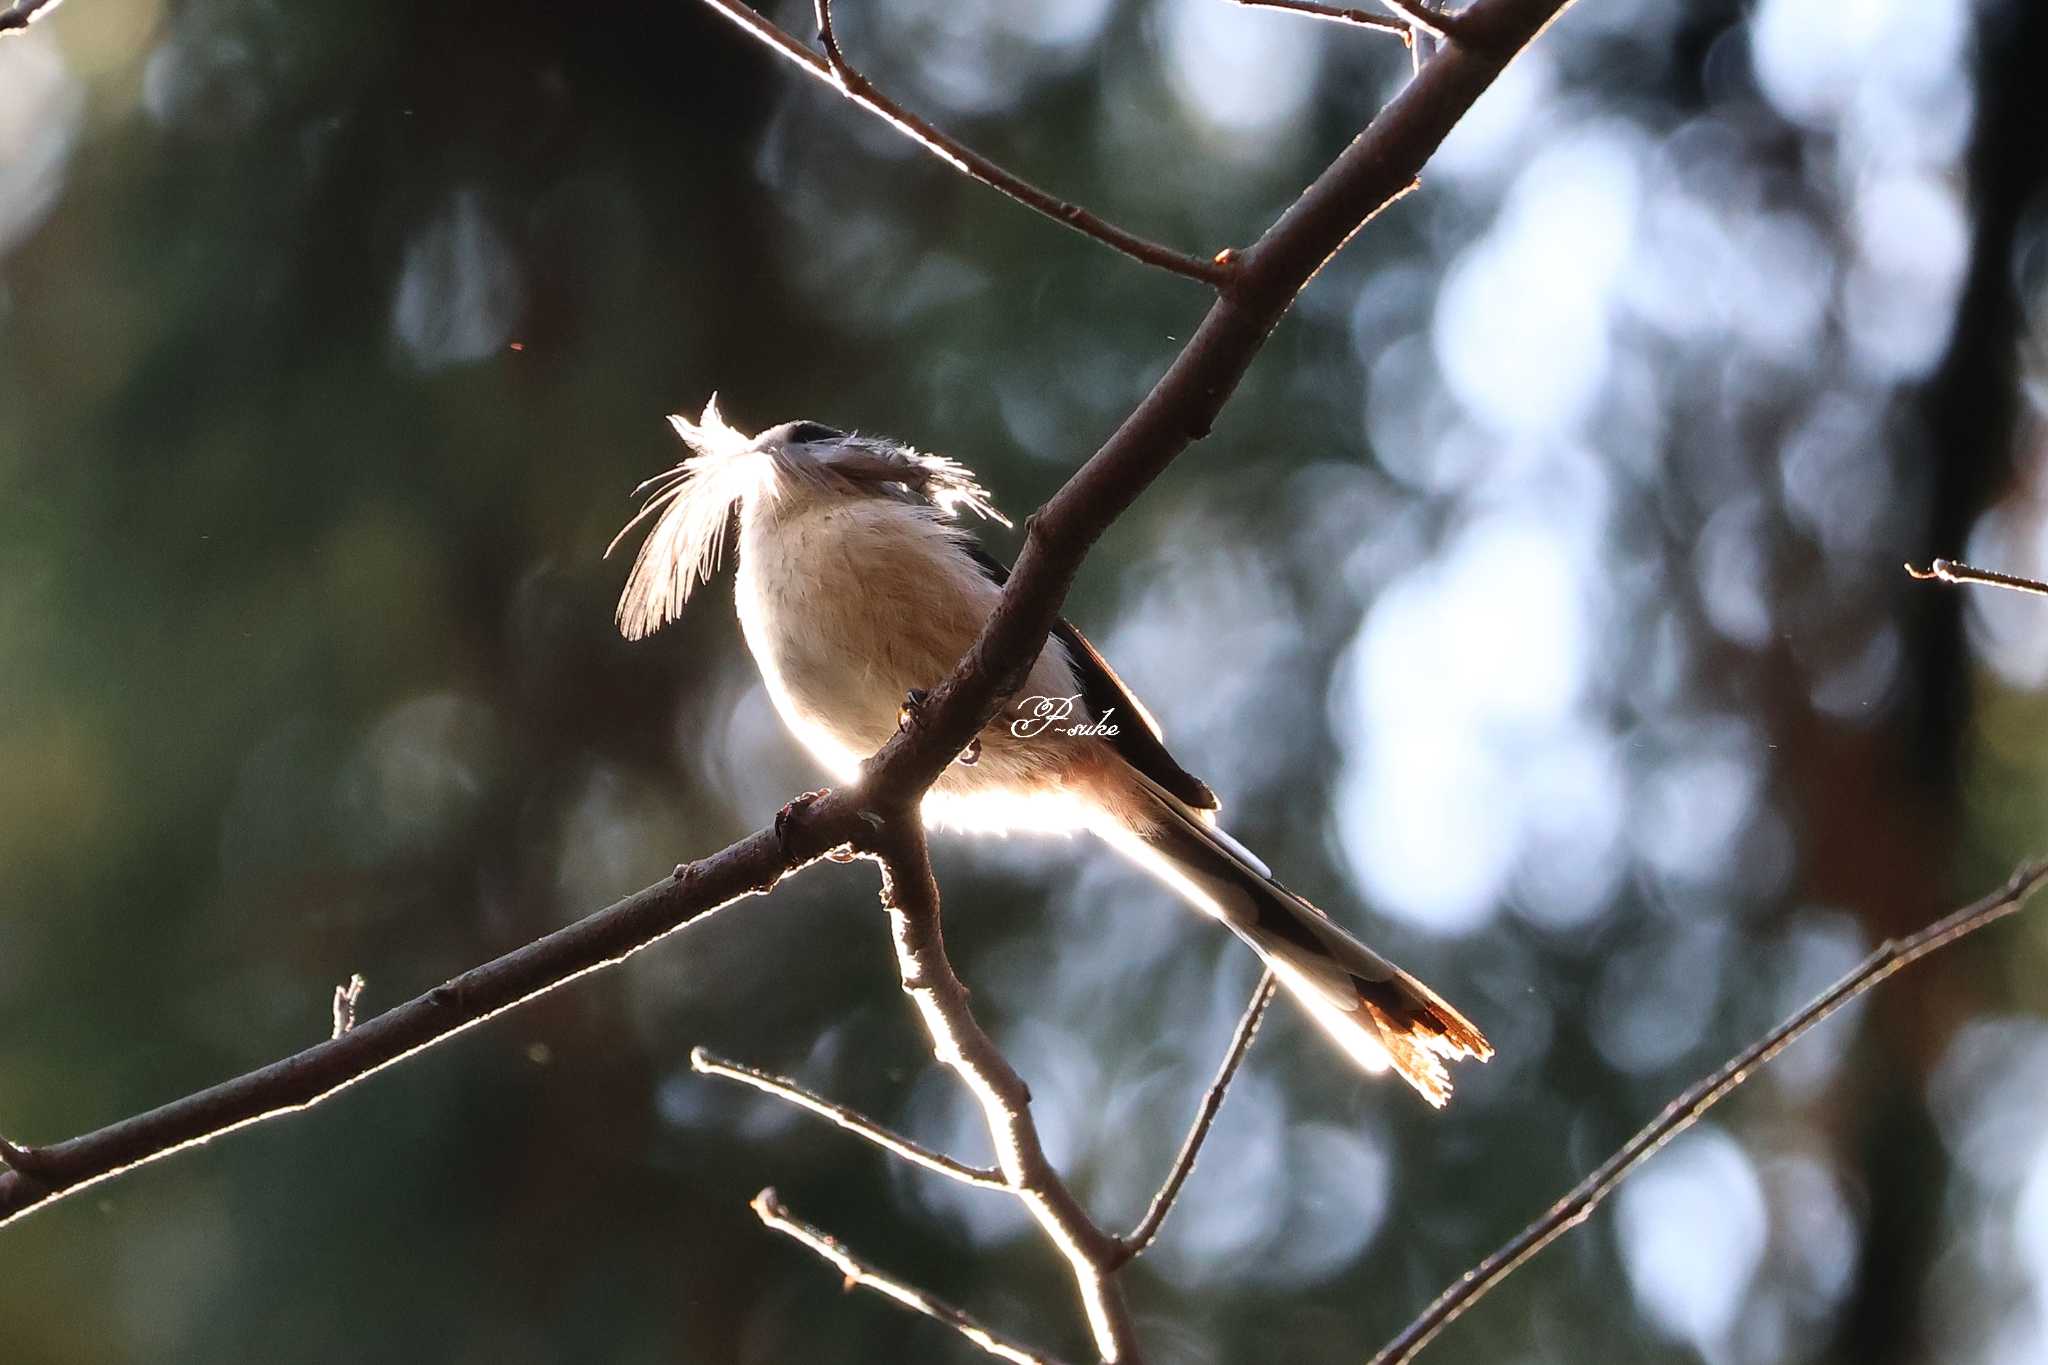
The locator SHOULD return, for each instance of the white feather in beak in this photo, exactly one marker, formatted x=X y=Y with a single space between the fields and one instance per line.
x=693 y=505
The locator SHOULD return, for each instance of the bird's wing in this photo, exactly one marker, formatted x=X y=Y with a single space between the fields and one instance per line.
x=1137 y=736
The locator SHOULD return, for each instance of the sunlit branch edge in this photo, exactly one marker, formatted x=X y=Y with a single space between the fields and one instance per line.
x=910 y=894
x=1338 y=14
x=1580 y=1202
x=774 y=1214
x=1467 y=29
x=852 y=1120
x=41 y=1175
x=1962 y=575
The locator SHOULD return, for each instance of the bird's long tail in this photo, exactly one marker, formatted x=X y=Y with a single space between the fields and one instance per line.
x=1375 y=1011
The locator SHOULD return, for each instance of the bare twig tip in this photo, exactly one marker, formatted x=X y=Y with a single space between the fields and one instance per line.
x=345 y=998
x=1960 y=574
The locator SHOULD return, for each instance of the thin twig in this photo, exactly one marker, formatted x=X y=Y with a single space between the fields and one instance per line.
x=1147 y=1229
x=1337 y=14
x=841 y=76
x=1697 y=1099
x=750 y=867
x=17 y=17
x=1949 y=571
x=774 y=1214
x=1449 y=28
x=852 y=1120
x=345 y=998
x=911 y=896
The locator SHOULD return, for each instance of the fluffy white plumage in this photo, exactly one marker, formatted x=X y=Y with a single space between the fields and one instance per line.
x=855 y=588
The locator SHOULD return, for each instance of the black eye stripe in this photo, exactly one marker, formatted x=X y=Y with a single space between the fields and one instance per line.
x=807 y=433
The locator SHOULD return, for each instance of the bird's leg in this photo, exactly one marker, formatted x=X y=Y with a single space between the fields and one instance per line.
x=913 y=707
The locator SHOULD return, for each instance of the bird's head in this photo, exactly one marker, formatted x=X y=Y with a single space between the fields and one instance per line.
x=692 y=503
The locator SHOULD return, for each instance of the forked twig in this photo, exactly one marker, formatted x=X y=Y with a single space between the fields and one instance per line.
x=1449 y=28
x=1949 y=571
x=852 y=1120
x=772 y=1212
x=1696 y=1100
x=911 y=895
x=1147 y=1229
x=836 y=72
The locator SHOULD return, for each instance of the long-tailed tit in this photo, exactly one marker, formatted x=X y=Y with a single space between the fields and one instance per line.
x=856 y=590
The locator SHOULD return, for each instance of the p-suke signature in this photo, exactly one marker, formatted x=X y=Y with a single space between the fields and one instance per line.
x=1049 y=715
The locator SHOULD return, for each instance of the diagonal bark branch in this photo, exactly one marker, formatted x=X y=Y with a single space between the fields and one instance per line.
x=42 y=1175
x=911 y=895
x=852 y=1120
x=1697 y=1099
x=834 y=70
x=772 y=1212
x=1378 y=167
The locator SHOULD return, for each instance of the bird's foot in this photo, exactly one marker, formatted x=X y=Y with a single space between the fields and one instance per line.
x=913 y=707
x=786 y=818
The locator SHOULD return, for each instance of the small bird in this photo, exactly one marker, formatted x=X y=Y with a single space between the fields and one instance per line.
x=857 y=589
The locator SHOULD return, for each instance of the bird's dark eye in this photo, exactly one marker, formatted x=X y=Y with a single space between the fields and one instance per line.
x=810 y=433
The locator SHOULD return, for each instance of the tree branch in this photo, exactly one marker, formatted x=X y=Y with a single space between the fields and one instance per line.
x=835 y=71
x=1449 y=28
x=852 y=1120
x=1377 y=167
x=42 y=1175
x=1949 y=571
x=1147 y=1229
x=1337 y=14
x=1702 y=1095
x=911 y=895
x=18 y=16
x=772 y=1212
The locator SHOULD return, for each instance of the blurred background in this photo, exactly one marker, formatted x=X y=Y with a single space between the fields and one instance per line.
x=1536 y=607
